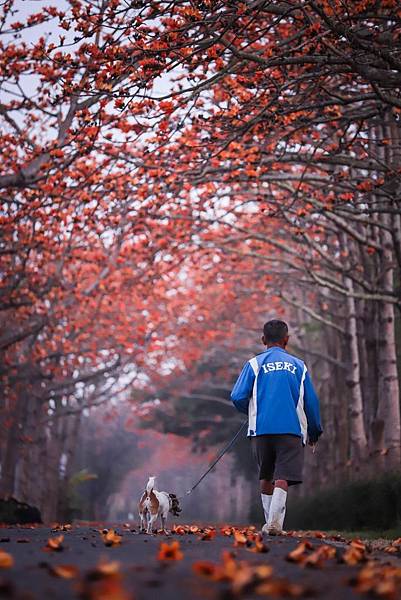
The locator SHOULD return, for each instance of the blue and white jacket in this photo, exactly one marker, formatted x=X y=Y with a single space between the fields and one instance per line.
x=275 y=390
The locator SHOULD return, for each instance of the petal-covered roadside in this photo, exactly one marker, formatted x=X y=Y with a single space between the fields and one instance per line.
x=99 y=562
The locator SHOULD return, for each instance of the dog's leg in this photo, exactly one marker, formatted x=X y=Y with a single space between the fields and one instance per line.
x=143 y=522
x=163 y=519
x=152 y=519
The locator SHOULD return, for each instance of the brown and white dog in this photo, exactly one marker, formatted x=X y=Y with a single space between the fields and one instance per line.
x=154 y=504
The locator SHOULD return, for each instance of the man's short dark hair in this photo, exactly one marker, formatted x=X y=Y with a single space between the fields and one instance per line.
x=275 y=331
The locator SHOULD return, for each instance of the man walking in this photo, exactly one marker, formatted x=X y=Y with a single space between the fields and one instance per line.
x=275 y=390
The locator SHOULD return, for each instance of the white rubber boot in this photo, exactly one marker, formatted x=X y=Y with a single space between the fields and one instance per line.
x=282 y=517
x=266 y=502
x=276 y=513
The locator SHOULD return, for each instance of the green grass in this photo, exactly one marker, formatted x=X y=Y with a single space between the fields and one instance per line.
x=369 y=534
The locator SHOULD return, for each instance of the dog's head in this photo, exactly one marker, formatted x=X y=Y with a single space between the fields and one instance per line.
x=175 y=505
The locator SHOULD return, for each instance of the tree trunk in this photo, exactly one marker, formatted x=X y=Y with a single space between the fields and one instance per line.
x=26 y=485
x=389 y=398
x=9 y=464
x=358 y=438
x=389 y=405
x=74 y=427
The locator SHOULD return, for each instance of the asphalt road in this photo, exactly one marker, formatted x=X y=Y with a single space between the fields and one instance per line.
x=140 y=574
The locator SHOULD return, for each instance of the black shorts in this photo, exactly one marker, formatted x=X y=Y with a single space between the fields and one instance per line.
x=279 y=456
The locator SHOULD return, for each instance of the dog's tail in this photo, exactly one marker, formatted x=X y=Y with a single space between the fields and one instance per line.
x=150 y=484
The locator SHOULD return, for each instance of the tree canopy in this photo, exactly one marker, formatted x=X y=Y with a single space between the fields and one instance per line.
x=173 y=174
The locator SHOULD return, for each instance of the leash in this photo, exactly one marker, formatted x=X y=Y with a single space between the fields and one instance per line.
x=216 y=460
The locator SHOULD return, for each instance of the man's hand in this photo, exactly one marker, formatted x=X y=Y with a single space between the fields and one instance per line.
x=313 y=445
